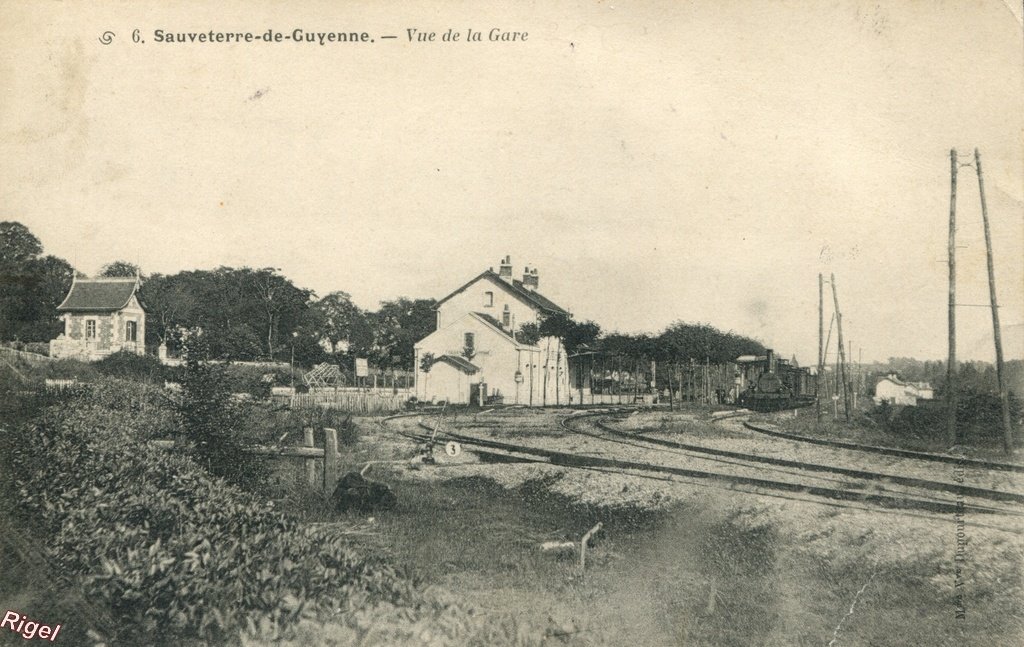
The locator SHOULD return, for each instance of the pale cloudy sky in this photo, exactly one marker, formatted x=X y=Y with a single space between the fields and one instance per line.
x=701 y=161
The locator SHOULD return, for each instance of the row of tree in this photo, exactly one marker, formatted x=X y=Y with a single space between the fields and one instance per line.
x=249 y=314
x=242 y=313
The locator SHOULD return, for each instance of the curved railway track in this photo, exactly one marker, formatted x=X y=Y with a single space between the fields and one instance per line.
x=962 y=490
x=887 y=451
x=849 y=493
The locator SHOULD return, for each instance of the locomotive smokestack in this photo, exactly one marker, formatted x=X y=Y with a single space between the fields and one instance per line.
x=771 y=360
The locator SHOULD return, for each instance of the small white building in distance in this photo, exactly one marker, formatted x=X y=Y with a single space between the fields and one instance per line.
x=478 y=353
x=895 y=391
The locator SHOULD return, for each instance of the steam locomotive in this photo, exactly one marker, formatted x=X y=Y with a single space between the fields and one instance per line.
x=770 y=384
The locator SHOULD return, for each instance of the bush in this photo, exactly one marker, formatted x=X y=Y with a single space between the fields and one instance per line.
x=978 y=414
x=216 y=425
x=125 y=365
x=179 y=557
x=170 y=550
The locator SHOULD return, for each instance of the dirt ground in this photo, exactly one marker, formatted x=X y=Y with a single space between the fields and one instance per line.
x=683 y=562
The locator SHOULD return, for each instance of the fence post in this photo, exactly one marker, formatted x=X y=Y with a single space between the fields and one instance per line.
x=307 y=440
x=330 y=460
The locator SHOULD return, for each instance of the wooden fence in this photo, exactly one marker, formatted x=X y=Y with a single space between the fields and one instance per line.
x=353 y=402
x=308 y=451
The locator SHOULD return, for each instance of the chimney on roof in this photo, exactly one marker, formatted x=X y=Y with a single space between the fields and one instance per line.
x=505 y=269
x=530 y=279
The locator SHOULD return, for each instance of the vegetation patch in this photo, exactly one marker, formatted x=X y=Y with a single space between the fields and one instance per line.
x=170 y=551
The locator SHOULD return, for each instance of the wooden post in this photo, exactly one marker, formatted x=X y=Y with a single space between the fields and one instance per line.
x=671 y=401
x=330 y=460
x=821 y=347
x=307 y=441
x=583 y=546
x=1003 y=397
x=842 y=352
x=951 y=368
x=654 y=380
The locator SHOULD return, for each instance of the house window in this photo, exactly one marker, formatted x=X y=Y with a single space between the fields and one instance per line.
x=506 y=317
x=488 y=299
x=130 y=331
x=90 y=329
x=469 y=346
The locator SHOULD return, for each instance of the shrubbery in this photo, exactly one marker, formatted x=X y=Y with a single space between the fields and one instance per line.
x=170 y=550
x=122 y=364
x=978 y=413
x=177 y=556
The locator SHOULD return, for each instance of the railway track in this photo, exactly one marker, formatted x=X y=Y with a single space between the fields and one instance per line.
x=849 y=493
x=961 y=490
x=887 y=451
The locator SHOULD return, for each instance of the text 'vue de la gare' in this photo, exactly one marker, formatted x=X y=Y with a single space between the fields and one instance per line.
x=470 y=35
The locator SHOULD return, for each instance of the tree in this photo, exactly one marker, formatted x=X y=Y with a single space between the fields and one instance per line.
x=281 y=302
x=31 y=287
x=339 y=318
x=214 y=424
x=244 y=314
x=572 y=333
x=529 y=334
x=701 y=342
x=50 y=281
x=119 y=269
x=398 y=325
x=17 y=245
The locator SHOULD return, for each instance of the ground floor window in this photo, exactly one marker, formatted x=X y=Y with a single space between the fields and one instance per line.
x=90 y=329
x=130 y=331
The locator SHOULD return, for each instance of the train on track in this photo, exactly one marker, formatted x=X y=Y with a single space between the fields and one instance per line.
x=770 y=384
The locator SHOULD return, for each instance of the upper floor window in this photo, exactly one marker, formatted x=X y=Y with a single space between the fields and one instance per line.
x=506 y=317
x=469 y=346
x=130 y=331
x=488 y=299
x=90 y=329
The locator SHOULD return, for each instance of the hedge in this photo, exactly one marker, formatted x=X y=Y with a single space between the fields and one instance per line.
x=179 y=557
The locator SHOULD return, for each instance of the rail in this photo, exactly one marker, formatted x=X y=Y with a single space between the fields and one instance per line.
x=564 y=459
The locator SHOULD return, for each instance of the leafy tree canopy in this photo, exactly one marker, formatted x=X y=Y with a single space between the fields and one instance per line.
x=119 y=269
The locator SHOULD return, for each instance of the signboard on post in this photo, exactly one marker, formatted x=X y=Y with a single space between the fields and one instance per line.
x=362 y=367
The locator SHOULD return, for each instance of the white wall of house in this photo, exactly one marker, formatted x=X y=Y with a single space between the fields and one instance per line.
x=448 y=383
x=900 y=393
x=499 y=359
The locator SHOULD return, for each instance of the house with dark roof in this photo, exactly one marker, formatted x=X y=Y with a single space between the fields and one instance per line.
x=101 y=316
x=478 y=352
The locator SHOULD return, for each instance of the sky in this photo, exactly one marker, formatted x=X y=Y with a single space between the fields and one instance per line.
x=656 y=161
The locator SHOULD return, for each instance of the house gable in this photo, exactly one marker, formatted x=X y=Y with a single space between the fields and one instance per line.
x=506 y=302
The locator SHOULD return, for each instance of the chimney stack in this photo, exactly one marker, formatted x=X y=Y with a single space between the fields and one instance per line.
x=505 y=269
x=530 y=279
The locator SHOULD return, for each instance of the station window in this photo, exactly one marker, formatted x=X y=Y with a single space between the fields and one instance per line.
x=90 y=329
x=488 y=299
x=470 y=343
x=506 y=317
x=130 y=331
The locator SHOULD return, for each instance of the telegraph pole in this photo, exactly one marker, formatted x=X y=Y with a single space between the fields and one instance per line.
x=1007 y=430
x=842 y=352
x=951 y=381
x=821 y=348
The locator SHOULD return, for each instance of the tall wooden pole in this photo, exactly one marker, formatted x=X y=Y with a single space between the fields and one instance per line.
x=821 y=341
x=1007 y=429
x=951 y=381
x=842 y=351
